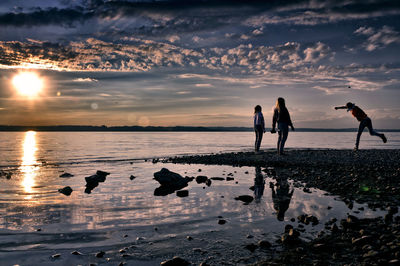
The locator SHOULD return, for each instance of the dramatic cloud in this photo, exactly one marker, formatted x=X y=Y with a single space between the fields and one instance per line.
x=206 y=62
x=378 y=39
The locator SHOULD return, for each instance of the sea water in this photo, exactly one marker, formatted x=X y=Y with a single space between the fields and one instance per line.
x=120 y=211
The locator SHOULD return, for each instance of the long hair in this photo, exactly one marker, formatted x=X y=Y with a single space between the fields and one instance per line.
x=257 y=109
x=280 y=104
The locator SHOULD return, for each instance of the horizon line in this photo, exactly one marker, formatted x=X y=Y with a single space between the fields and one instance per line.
x=162 y=128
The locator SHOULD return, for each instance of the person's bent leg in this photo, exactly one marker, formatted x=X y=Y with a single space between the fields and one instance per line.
x=372 y=132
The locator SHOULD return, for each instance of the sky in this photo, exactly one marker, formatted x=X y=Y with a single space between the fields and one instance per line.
x=200 y=63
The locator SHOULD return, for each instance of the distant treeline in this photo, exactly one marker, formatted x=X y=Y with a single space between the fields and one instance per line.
x=165 y=129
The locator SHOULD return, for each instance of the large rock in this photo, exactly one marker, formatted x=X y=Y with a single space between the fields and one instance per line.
x=167 y=178
x=170 y=182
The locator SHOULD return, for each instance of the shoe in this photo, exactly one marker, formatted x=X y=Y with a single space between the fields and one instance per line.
x=384 y=138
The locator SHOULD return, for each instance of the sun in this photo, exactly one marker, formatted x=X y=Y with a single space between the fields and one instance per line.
x=28 y=84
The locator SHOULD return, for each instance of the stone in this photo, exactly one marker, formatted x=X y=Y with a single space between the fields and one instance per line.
x=189 y=238
x=217 y=178
x=208 y=182
x=170 y=179
x=175 y=261
x=182 y=193
x=245 y=198
x=170 y=182
x=66 y=175
x=94 y=180
x=221 y=221
x=75 y=252
x=66 y=190
x=132 y=177
x=55 y=256
x=230 y=178
x=201 y=179
x=264 y=244
x=100 y=254
x=252 y=247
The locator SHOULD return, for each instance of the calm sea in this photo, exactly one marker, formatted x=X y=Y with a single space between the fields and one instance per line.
x=78 y=147
x=122 y=211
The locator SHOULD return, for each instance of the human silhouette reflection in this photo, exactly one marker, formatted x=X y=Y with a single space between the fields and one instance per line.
x=280 y=195
x=259 y=184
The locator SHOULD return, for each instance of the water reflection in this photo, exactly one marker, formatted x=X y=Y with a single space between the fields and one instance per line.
x=281 y=195
x=259 y=184
x=29 y=166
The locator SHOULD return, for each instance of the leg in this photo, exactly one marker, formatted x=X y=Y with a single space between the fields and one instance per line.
x=285 y=133
x=372 y=132
x=279 y=140
x=256 y=141
x=360 y=131
x=259 y=135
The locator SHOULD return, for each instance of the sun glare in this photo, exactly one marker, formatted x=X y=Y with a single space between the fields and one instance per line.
x=28 y=84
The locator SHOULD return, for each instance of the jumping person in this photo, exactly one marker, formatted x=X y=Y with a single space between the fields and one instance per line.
x=259 y=127
x=364 y=120
x=282 y=117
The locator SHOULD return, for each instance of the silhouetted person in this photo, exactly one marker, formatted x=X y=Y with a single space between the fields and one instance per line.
x=259 y=184
x=364 y=120
x=281 y=197
x=282 y=117
x=259 y=127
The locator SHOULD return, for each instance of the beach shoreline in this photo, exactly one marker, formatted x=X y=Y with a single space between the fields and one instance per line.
x=366 y=176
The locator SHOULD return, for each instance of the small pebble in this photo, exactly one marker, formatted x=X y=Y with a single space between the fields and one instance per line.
x=100 y=254
x=75 y=252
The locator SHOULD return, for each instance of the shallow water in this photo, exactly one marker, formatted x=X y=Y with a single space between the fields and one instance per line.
x=122 y=207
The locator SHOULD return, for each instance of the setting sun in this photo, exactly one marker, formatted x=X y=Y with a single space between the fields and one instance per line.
x=28 y=84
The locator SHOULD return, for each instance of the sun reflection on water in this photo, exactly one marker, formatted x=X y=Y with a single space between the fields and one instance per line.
x=29 y=166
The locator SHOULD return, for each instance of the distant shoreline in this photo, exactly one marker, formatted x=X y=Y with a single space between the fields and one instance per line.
x=67 y=128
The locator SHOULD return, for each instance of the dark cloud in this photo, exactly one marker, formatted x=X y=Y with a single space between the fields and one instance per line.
x=64 y=17
x=190 y=15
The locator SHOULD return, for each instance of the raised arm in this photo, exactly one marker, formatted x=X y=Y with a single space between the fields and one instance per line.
x=340 y=107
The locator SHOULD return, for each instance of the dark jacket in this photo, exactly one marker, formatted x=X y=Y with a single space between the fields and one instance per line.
x=281 y=116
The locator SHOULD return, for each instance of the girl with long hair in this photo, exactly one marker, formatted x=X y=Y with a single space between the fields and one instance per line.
x=282 y=117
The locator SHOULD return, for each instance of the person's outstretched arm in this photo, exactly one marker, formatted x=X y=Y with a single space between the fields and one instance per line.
x=340 y=107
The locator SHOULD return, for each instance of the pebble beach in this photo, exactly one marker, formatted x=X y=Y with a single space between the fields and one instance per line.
x=365 y=176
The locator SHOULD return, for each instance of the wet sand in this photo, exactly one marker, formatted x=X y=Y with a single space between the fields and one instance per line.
x=366 y=176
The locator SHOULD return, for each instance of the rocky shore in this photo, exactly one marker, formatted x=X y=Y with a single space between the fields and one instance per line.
x=366 y=176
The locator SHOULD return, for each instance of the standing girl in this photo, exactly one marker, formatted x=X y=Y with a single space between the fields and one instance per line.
x=259 y=127
x=282 y=117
